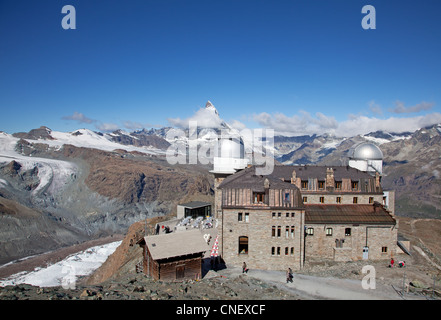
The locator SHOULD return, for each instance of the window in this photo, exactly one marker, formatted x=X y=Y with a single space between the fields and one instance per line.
x=279 y=214
x=305 y=199
x=322 y=199
x=310 y=231
x=247 y=217
x=304 y=184
x=274 y=214
x=355 y=200
x=286 y=251
x=239 y=216
x=328 y=232
x=287 y=197
x=279 y=231
x=287 y=214
x=258 y=197
x=273 y=251
x=287 y=232
x=292 y=231
x=347 y=231
x=243 y=245
x=278 y=251
x=338 y=185
x=292 y=251
x=383 y=249
x=293 y=214
x=321 y=185
x=371 y=200
x=338 y=199
x=354 y=185
x=273 y=232
x=339 y=243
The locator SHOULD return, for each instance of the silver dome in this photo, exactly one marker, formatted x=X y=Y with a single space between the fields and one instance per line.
x=231 y=146
x=366 y=151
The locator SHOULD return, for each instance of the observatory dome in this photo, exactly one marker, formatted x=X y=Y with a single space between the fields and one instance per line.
x=366 y=151
x=231 y=147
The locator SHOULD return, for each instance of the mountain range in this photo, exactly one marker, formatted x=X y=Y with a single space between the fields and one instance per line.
x=60 y=188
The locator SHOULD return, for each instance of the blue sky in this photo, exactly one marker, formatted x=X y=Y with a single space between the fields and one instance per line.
x=299 y=67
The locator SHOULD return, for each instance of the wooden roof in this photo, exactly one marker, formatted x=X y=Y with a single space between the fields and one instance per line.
x=176 y=244
x=347 y=214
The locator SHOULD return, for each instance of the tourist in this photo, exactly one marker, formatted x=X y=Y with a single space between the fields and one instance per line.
x=244 y=268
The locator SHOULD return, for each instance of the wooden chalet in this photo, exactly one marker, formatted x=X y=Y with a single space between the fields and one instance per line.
x=174 y=256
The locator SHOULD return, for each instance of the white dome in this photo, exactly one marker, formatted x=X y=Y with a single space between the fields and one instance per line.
x=231 y=147
x=366 y=151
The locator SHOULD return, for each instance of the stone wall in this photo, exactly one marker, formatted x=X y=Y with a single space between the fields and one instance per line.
x=334 y=242
x=267 y=249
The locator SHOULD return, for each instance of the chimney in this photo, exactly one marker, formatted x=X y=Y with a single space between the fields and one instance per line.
x=377 y=181
x=294 y=177
x=330 y=182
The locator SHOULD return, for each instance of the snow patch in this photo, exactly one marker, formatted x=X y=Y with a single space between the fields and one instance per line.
x=66 y=271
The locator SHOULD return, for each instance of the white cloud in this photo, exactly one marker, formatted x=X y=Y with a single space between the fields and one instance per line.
x=400 y=108
x=77 y=116
x=205 y=118
x=298 y=124
x=305 y=124
x=133 y=125
x=375 y=108
x=107 y=127
x=236 y=124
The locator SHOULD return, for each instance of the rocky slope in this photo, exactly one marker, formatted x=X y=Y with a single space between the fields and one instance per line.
x=57 y=195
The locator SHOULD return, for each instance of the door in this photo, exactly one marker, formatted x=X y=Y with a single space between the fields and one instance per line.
x=365 y=253
x=180 y=272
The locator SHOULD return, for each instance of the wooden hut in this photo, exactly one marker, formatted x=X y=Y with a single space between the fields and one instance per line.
x=174 y=256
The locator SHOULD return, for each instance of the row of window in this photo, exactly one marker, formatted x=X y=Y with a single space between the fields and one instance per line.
x=338 y=200
x=279 y=215
x=321 y=185
x=275 y=251
x=329 y=231
x=245 y=216
x=276 y=231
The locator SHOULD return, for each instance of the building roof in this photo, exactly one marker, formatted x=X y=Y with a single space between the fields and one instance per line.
x=319 y=172
x=247 y=178
x=281 y=175
x=347 y=214
x=176 y=244
x=195 y=204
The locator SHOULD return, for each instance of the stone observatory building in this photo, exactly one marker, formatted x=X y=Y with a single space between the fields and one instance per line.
x=304 y=213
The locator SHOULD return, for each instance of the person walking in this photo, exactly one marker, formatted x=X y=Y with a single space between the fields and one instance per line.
x=244 y=268
x=289 y=275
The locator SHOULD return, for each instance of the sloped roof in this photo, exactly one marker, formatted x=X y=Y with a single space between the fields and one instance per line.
x=282 y=173
x=347 y=214
x=195 y=204
x=176 y=244
x=247 y=178
x=319 y=172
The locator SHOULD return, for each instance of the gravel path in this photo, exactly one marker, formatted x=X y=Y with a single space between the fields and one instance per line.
x=312 y=287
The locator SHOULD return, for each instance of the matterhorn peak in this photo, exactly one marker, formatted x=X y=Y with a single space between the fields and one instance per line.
x=209 y=106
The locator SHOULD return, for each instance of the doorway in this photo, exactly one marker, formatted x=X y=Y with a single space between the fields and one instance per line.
x=180 y=272
x=365 y=253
